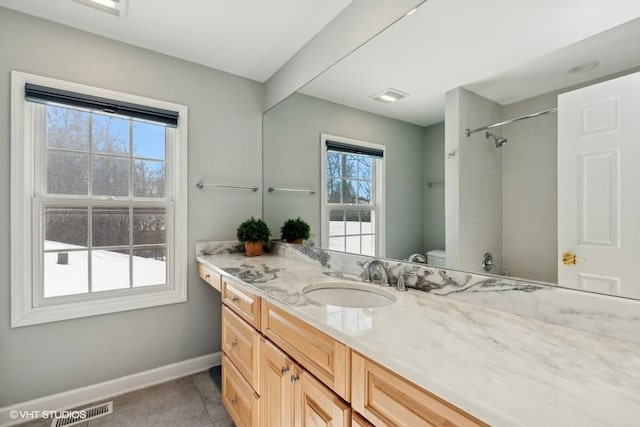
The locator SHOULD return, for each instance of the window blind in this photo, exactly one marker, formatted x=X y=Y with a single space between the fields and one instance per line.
x=43 y=94
x=342 y=147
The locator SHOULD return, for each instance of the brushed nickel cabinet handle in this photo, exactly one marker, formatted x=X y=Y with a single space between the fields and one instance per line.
x=284 y=370
x=294 y=378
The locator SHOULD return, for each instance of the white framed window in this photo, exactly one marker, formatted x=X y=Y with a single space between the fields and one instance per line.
x=352 y=182
x=98 y=201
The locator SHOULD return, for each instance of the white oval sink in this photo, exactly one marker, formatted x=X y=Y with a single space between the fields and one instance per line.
x=349 y=294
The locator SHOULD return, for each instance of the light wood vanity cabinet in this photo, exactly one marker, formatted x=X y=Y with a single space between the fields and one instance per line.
x=276 y=405
x=294 y=375
x=261 y=384
x=244 y=303
x=240 y=400
x=316 y=405
x=292 y=396
x=387 y=399
x=241 y=343
x=209 y=276
x=358 y=420
x=329 y=360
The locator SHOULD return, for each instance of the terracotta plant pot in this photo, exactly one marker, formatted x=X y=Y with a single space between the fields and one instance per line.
x=296 y=241
x=253 y=248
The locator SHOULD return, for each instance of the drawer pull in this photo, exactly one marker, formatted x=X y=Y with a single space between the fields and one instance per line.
x=235 y=299
x=284 y=370
x=234 y=344
x=294 y=378
x=207 y=276
x=234 y=401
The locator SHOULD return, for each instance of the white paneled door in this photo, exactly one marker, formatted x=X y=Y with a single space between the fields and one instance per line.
x=599 y=187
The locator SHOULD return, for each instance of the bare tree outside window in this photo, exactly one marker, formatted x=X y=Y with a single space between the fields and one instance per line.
x=116 y=246
x=350 y=182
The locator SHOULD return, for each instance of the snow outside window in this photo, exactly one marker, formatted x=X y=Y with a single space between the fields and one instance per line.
x=108 y=226
x=352 y=199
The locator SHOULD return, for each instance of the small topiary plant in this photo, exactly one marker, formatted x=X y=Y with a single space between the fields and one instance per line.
x=295 y=230
x=253 y=232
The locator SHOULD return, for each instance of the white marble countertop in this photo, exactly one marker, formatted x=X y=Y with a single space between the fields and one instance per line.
x=505 y=369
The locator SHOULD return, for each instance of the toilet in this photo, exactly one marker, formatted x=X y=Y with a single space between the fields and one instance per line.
x=437 y=258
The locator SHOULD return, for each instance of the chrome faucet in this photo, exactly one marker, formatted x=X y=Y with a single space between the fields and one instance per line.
x=417 y=258
x=368 y=265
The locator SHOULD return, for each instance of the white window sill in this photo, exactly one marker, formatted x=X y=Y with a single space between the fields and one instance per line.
x=35 y=315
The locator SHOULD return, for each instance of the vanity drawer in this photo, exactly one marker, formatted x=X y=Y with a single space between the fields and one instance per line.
x=242 y=403
x=212 y=278
x=329 y=360
x=241 y=343
x=387 y=399
x=244 y=303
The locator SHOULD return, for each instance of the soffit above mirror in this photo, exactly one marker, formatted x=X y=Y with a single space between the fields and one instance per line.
x=501 y=50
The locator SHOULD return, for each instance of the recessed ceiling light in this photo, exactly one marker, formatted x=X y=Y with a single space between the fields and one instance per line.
x=583 y=68
x=412 y=11
x=389 y=95
x=113 y=7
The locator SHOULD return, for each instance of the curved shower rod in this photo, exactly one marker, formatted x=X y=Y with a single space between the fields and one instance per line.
x=469 y=132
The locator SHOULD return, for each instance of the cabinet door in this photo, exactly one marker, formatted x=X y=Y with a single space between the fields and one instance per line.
x=315 y=405
x=387 y=399
x=323 y=356
x=242 y=403
x=276 y=401
x=241 y=343
x=358 y=420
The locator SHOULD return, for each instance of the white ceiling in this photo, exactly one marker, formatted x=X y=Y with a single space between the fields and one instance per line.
x=504 y=50
x=249 y=38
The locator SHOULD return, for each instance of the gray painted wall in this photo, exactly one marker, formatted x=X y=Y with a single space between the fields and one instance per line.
x=225 y=116
x=473 y=177
x=434 y=215
x=292 y=159
x=529 y=183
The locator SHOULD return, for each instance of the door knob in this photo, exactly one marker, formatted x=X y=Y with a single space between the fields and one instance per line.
x=569 y=258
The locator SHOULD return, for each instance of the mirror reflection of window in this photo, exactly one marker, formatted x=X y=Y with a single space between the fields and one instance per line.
x=352 y=195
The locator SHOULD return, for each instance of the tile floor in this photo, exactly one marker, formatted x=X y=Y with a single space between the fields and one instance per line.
x=192 y=401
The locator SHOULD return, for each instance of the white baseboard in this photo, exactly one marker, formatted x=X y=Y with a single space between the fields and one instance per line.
x=92 y=393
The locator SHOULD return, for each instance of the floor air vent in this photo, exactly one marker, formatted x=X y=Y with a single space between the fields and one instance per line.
x=79 y=416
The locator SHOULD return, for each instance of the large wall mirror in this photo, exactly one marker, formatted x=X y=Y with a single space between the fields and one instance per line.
x=518 y=191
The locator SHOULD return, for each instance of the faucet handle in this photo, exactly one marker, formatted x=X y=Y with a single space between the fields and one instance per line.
x=366 y=274
x=402 y=281
x=401 y=287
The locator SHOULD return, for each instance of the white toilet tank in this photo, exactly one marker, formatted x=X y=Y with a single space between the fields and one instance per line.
x=437 y=257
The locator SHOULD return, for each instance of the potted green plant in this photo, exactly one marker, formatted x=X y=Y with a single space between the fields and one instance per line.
x=295 y=231
x=253 y=232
